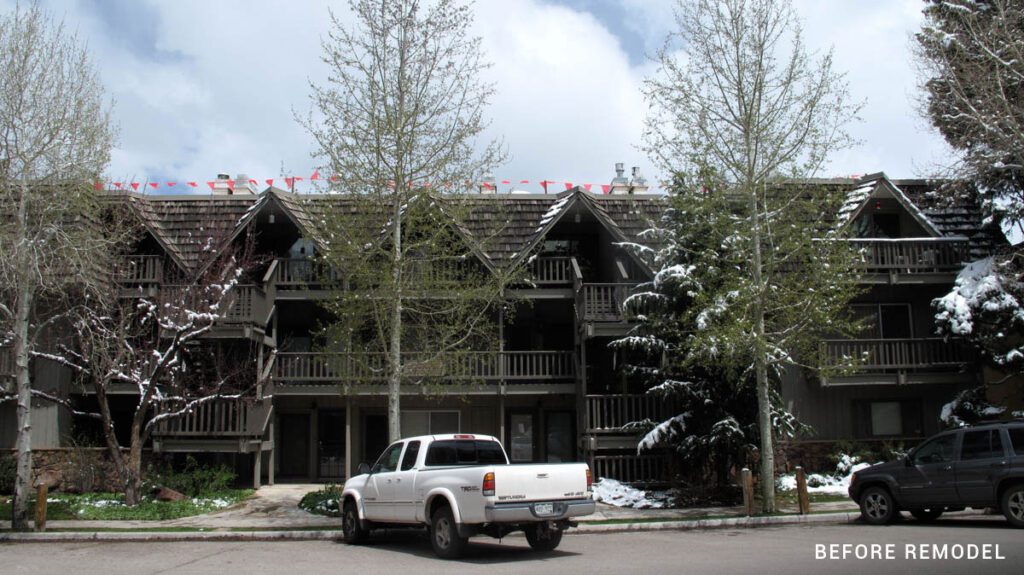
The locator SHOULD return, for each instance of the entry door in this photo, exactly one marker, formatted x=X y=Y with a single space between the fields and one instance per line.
x=930 y=479
x=375 y=437
x=522 y=445
x=559 y=444
x=331 y=444
x=294 y=447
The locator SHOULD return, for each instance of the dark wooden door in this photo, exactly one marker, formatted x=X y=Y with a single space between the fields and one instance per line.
x=294 y=448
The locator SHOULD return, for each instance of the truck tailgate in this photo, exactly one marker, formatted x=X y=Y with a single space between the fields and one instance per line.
x=540 y=482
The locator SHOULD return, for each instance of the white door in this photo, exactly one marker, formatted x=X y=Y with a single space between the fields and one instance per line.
x=379 y=494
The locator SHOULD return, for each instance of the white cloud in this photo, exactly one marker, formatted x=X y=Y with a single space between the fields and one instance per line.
x=209 y=86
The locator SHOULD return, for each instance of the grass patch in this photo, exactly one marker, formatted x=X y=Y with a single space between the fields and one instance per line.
x=110 y=506
x=323 y=501
x=790 y=497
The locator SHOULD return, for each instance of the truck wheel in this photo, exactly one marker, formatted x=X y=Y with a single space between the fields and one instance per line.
x=877 y=506
x=351 y=530
x=444 y=534
x=543 y=539
x=926 y=514
x=1013 y=505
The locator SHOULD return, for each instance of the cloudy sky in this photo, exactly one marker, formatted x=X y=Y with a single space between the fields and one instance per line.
x=208 y=86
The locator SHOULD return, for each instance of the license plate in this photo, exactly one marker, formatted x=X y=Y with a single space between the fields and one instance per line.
x=543 y=508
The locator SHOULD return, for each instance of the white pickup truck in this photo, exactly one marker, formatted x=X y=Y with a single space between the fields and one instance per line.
x=462 y=485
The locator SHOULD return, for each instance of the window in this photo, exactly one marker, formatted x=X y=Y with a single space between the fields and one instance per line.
x=409 y=459
x=886 y=418
x=1017 y=439
x=464 y=452
x=421 y=422
x=986 y=444
x=886 y=320
x=938 y=450
x=389 y=459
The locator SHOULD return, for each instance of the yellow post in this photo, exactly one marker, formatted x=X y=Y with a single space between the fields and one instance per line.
x=747 y=483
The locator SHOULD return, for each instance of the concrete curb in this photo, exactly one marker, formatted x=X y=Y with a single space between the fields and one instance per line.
x=318 y=535
x=726 y=522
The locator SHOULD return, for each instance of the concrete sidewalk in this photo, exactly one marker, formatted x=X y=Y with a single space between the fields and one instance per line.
x=276 y=509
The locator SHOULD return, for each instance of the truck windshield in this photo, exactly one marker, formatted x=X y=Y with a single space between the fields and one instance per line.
x=465 y=452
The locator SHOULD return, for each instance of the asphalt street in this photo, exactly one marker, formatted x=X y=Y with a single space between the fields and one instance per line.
x=785 y=550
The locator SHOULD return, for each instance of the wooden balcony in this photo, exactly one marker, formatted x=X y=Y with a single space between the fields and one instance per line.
x=609 y=413
x=551 y=272
x=912 y=259
x=244 y=305
x=602 y=302
x=6 y=367
x=302 y=274
x=139 y=275
x=220 y=418
x=632 y=468
x=917 y=360
x=310 y=367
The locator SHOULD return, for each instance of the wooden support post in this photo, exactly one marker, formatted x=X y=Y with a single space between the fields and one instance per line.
x=747 y=483
x=803 y=499
x=270 y=461
x=348 y=436
x=41 y=507
x=257 y=466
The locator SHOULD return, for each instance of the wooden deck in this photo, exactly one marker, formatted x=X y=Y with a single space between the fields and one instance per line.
x=341 y=367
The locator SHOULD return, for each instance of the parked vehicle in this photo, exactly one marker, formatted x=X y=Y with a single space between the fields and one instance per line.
x=978 y=467
x=461 y=485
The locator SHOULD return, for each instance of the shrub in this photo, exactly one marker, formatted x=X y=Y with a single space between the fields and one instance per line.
x=323 y=502
x=194 y=479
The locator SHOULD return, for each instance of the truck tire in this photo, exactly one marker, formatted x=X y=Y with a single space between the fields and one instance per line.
x=926 y=514
x=543 y=539
x=877 y=506
x=444 y=534
x=351 y=529
x=1013 y=504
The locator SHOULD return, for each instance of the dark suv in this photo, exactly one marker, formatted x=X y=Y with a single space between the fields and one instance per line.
x=980 y=466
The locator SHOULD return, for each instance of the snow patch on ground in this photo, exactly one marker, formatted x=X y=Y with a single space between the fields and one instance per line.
x=613 y=492
x=837 y=483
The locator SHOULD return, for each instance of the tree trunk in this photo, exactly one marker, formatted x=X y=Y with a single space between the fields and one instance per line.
x=395 y=348
x=122 y=467
x=764 y=407
x=23 y=477
x=133 y=474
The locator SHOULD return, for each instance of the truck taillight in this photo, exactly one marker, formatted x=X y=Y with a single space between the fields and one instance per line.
x=488 y=486
x=590 y=480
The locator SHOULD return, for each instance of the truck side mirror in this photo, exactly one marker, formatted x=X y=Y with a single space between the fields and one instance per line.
x=363 y=469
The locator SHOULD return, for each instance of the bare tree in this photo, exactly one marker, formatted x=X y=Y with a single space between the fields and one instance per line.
x=55 y=140
x=397 y=123
x=153 y=346
x=743 y=105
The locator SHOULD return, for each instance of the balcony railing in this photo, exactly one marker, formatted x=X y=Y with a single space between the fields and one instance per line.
x=609 y=413
x=242 y=417
x=865 y=355
x=370 y=367
x=6 y=364
x=602 y=301
x=938 y=255
x=140 y=270
x=631 y=468
x=295 y=273
x=244 y=304
x=551 y=271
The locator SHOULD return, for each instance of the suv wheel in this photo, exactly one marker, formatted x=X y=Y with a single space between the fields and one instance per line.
x=926 y=514
x=877 y=506
x=1013 y=505
x=444 y=534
